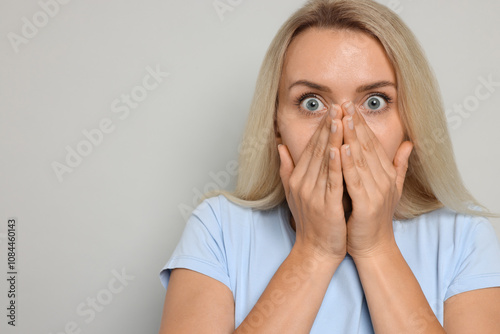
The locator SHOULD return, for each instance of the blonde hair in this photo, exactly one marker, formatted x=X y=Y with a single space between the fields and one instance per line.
x=432 y=180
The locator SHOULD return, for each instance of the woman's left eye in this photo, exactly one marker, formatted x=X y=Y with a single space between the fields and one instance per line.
x=375 y=103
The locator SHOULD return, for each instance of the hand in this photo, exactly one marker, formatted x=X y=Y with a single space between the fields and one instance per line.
x=314 y=190
x=374 y=184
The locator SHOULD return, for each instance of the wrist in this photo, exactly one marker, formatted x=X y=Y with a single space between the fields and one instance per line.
x=315 y=255
x=381 y=250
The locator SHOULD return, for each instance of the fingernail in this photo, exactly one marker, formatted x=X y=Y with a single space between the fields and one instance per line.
x=350 y=123
x=348 y=150
x=332 y=153
x=350 y=108
x=333 y=127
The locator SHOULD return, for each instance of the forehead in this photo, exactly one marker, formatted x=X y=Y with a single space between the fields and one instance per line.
x=334 y=56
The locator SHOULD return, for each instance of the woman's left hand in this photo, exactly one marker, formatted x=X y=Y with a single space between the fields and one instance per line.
x=374 y=184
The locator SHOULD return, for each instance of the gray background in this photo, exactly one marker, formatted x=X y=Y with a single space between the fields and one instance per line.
x=124 y=206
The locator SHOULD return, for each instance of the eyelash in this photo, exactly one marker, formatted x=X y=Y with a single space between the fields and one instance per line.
x=388 y=101
x=304 y=96
x=301 y=98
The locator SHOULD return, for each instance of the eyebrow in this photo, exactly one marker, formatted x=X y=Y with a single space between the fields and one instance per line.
x=375 y=85
x=310 y=85
x=360 y=89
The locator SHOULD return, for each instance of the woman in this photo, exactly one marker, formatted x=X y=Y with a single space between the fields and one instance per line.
x=349 y=215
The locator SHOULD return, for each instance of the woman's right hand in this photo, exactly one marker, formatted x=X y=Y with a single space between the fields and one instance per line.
x=314 y=190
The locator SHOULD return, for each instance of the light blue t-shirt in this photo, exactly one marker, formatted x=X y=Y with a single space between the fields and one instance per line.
x=449 y=253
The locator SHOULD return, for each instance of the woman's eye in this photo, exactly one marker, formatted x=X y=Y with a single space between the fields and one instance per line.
x=312 y=104
x=375 y=103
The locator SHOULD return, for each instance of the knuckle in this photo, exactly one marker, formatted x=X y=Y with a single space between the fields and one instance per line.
x=303 y=192
x=372 y=211
x=324 y=167
x=332 y=185
x=357 y=183
x=366 y=147
x=293 y=183
x=310 y=146
x=378 y=198
x=360 y=163
x=318 y=152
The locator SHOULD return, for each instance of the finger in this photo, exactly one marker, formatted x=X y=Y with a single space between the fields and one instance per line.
x=401 y=164
x=305 y=158
x=334 y=140
x=362 y=165
x=286 y=166
x=318 y=161
x=353 y=181
x=366 y=142
x=334 y=185
x=336 y=112
x=318 y=164
x=384 y=160
x=337 y=128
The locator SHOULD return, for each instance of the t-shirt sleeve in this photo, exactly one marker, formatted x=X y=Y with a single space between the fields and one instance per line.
x=479 y=265
x=201 y=247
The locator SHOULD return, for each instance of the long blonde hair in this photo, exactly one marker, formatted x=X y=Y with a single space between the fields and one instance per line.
x=432 y=180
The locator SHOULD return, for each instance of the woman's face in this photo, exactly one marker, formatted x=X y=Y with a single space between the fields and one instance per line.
x=324 y=67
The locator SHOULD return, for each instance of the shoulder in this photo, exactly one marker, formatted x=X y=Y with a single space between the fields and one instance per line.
x=218 y=208
x=449 y=241
x=445 y=238
x=445 y=225
x=450 y=252
x=220 y=213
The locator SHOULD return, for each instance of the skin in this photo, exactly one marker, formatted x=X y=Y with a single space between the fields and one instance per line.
x=371 y=158
x=341 y=69
x=355 y=62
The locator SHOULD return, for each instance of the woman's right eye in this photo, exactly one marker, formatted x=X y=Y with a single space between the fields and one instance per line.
x=311 y=105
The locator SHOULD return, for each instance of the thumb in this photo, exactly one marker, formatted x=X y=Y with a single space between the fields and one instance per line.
x=401 y=164
x=286 y=166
